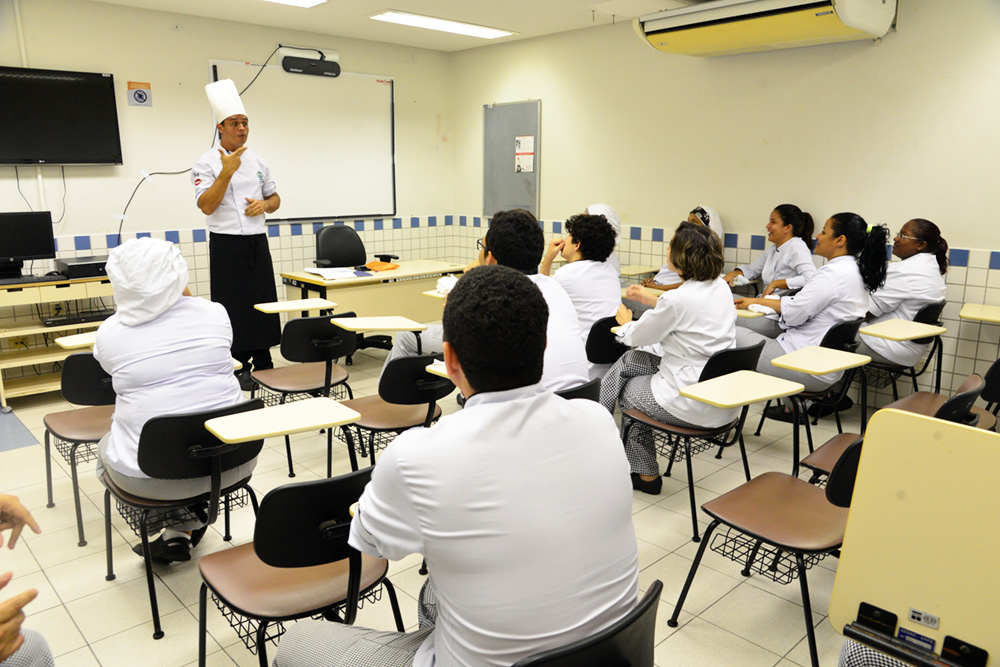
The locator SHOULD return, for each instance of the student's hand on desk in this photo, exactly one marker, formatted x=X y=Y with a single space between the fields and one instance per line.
x=624 y=315
x=14 y=517
x=744 y=302
x=11 y=618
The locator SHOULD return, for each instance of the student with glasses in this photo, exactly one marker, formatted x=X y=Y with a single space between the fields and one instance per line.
x=910 y=284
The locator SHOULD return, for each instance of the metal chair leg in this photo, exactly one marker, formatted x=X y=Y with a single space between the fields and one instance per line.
x=763 y=416
x=346 y=430
x=262 y=643
x=154 y=607
x=743 y=454
x=694 y=568
x=288 y=452
x=202 y=622
x=694 y=506
x=76 y=495
x=329 y=453
x=371 y=448
x=751 y=558
x=110 y=576
x=48 y=469
x=673 y=453
x=228 y=533
x=807 y=610
x=391 y=591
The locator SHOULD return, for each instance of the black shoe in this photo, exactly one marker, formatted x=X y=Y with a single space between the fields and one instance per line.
x=174 y=550
x=819 y=410
x=196 y=536
x=782 y=414
x=652 y=487
x=246 y=382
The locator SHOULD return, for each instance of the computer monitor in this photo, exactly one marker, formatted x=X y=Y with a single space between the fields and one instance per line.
x=24 y=236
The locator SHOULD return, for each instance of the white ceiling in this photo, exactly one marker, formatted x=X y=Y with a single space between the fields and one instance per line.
x=349 y=18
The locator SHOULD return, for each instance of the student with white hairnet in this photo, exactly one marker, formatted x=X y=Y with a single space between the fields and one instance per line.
x=167 y=353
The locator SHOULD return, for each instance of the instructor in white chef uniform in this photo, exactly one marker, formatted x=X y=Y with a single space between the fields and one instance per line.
x=234 y=188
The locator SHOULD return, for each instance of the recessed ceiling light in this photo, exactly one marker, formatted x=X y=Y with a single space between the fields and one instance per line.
x=298 y=3
x=444 y=25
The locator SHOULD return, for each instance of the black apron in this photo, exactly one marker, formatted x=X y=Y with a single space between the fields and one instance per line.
x=241 y=276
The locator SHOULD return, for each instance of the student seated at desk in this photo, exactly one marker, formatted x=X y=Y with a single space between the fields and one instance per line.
x=916 y=281
x=785 y=266
x=667 y=278
x=616 y=224
x=167 y=353
x=590 y=281
x=515 y=239
x=837 y=293
x=690 y=324
x=520 y=503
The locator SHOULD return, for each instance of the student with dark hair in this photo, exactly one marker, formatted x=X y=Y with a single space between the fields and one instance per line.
x=589 y=280
x=838 y=292
x=690 y=324
x=611 y=215
x=784 y=267
x=911 y=284
x=492 y=496
x=515 y=239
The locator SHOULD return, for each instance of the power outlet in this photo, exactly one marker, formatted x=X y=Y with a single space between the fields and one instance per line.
x=18 y=342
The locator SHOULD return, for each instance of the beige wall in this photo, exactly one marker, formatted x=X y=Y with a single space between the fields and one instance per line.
x=141 y=45
x=893 y=131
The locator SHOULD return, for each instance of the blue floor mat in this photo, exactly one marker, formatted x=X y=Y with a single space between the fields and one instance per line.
x=13 y=434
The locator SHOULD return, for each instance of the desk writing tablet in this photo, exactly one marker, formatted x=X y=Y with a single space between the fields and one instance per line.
x=295 y=417
x=633 y=270
x=902 y=330
x=77 y=341
x=437 y=368
x=386 y=323
x=295 y=305
x=434 y=294
x=740 y=388
x=747 y=314
x=816 y=360
x=923 y=531
x=979 y=312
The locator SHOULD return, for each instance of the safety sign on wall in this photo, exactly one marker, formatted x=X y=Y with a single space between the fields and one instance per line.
x=139 y=94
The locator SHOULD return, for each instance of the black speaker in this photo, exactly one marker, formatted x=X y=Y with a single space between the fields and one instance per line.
x=297 y=65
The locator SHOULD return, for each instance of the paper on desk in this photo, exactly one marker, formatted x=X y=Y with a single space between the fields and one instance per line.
x=335 y=273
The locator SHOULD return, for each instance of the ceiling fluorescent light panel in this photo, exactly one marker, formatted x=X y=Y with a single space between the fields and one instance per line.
x=443 y=25
x=306 y=4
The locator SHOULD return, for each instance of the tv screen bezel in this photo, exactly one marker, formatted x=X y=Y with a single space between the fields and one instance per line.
x=113 y=160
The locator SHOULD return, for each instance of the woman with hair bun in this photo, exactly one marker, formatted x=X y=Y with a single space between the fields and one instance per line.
x=785 y=266
x=838 y=292
x=911 y=284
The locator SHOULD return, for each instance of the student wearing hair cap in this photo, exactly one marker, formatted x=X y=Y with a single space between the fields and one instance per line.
x=785 y=266
x=167 y=353
x=916 y=281
x=234 y=188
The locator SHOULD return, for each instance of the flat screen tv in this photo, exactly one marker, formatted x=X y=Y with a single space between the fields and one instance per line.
x=55 y=117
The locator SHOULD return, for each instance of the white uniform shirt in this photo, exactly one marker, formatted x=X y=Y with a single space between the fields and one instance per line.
x=691 y=323
x=522 y=505
x=178 y=362
x=668 y=277
x=566 y=363
x=836 y=293
x=909 y=286
x=791 y=262
x=252 y=179
x=593 y=288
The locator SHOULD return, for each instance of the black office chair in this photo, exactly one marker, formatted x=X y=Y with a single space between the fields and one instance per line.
x=881 y=375
x=340 y=245
x=180 y=447
x=314 y=342
x=667 y=437
x=602 y=346
x=75 y=432
x=991 y=390
x=588 y=390
x=299 y=565
x=778 y=526
x=627 y=643
x=407 y=398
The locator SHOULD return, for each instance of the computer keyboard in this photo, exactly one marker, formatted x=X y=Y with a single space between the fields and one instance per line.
x=83 y=318
x=20 y=280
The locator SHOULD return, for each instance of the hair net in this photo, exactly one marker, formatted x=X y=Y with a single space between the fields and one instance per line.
x=148 y=276
x=610 y=215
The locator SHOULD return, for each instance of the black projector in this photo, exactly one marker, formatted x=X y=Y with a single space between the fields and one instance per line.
x=297 y=65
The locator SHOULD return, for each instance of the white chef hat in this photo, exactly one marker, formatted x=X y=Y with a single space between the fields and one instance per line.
x=610 y=215
x=225 y=100
x=148 y=276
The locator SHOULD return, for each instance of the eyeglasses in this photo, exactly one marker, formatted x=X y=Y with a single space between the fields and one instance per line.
x=901 y=235
x=480 y=245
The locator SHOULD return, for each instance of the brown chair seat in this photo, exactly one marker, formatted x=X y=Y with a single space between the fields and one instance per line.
x=987 y=420
x=827 y=455
x=377 y=415
x=928 y=403
x=81 y=425
x=299 y=377
x=153 y=503
x=259 y=590
x=784 y=511
x=640 y=416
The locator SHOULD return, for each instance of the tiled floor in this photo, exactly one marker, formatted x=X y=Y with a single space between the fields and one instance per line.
x=727 y=619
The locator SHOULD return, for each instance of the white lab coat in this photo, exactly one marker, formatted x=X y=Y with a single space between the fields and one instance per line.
x=566 y=363
x=593 y=288
x=791 y=262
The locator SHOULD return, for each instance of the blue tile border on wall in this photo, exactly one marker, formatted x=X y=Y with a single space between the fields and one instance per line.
x=143 y=235
x=414 y=222
x=995 y=260
x=731 y=241
x=397 y=223
x=81 y=242
x=198 y=235
x=296 y=229
x=635 y=233
x=449 y=220
x=462 y=221
x=657 y=234
x=557 y=227
x=377 y=224
x=957 y=257
x=172 y=236
x=111 y=240
x=757 y=242
x=477 y=221
x=432 y=221
x=273 y=231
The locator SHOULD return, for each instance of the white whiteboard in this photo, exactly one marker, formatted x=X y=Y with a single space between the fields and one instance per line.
x=328 y=141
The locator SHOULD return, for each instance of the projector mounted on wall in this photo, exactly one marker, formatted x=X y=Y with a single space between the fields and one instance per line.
x=318 y=65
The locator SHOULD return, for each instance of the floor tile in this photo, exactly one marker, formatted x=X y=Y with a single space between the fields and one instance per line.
x=111 y=611
x=662 y=527
x=702 y=644
x=136 y=646
x=828 y=643
x=707 y=588
x=58 y=628
x=83 y=576
x=757 y=616
x=82 y=657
